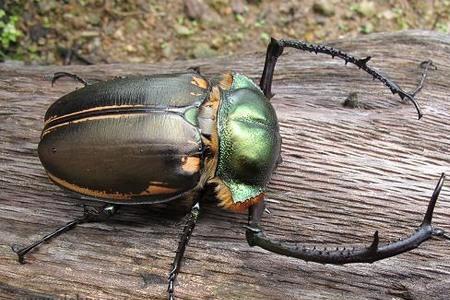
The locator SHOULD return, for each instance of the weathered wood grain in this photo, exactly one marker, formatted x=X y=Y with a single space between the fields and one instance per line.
x=346 y=173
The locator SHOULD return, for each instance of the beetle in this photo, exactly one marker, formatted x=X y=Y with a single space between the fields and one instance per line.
x=152 y=139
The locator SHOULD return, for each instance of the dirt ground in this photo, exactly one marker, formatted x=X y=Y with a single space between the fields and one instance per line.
x=107 y=31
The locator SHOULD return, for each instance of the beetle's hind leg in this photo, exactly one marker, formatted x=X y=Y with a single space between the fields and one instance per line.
x=59 y=75
x=90 y=215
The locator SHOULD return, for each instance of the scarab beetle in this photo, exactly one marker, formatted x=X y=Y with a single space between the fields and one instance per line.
x=152 y=139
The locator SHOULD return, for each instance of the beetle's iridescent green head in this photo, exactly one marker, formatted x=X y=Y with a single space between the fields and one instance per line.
x=249 y=144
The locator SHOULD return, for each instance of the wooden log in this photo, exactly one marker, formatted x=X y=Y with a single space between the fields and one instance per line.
x=346 y=173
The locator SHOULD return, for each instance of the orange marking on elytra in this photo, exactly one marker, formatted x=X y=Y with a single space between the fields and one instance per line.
x=200 y=82
x=89 y=192
x=226 y=81
x=190 y=164
x=93 y=109
x=154 y=189
x=118 y=116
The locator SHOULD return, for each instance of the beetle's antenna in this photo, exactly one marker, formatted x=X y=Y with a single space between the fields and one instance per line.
x=59 y=75
x=346 y=255
x=90 y=214
x=276 y=47
x=187 y=232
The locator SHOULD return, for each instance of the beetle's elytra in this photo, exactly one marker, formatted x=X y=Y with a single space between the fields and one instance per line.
x=142 y=139
x=151 y=139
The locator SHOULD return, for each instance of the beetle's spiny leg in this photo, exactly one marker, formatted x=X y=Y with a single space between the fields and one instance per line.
x=275 y=49
x=360 y=63
x=22 y=251
x=187 y=232
x=441 y=233
x=345 y=255
x=376 y=241
x=59 y=75
x=425 y=65
x=89 y=215
x=429 y=214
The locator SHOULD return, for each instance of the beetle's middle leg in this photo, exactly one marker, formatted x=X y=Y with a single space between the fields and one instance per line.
x=187 y=231
x=59 y=75
x=90 y=215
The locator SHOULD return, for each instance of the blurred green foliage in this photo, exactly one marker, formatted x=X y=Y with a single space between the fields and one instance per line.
x=9 y=33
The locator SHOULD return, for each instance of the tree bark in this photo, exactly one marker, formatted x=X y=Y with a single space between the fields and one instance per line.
x=346 y=172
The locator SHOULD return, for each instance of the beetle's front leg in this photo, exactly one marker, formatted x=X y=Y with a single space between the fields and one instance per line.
x=345 y=255
x=90 y=215
x=276 y=47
